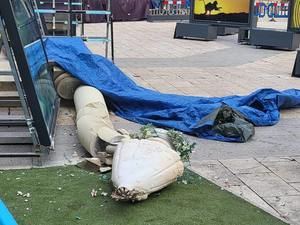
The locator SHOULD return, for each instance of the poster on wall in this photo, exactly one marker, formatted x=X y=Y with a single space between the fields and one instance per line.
x=227 y=12
x=294 y=23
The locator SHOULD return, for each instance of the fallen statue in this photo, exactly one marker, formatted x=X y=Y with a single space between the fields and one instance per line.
x=95 y=129
x=139 y=167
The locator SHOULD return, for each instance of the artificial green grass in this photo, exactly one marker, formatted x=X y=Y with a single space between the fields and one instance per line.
x=62 y=196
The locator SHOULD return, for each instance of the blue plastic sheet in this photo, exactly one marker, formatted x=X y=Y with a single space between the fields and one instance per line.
x=5 y=216
x=142 y=105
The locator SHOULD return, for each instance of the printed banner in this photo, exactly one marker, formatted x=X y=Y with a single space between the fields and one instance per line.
x=236 y=11
x=295 y=17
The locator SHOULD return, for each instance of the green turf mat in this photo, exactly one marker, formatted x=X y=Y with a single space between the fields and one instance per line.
x=61 y=196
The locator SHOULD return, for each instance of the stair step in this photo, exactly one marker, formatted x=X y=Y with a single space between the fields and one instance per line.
x=9 y=99
x=8 y=163
x=15 y=138
x=9 y=94
x=7 y=79
x=17 y=157
x=7 y=83
x=6 y=73
x=15 y=120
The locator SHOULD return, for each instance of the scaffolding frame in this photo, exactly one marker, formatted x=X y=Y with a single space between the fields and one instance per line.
x=73 y=22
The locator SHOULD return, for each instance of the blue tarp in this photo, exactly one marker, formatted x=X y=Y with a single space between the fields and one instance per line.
x=142 y=105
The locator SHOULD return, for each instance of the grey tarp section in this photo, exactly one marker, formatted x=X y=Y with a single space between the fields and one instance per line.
x=229 y=123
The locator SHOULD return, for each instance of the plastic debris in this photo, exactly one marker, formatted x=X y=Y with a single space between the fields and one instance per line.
x=27 y=195
x=104 y=194
x=94 y=193
x=229 y=123
x=105 y=169
x=282 y=204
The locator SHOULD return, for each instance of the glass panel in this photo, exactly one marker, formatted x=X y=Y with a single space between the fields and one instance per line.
x=228 y=11
x=36 y=58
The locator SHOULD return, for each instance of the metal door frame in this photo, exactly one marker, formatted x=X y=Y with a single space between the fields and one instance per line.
x=42 y=136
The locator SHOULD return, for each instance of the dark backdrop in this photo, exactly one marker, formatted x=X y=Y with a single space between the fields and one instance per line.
x=123 y=10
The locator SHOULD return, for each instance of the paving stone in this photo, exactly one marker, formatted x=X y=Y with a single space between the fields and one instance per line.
x=67 y=151
x=246 y=193
x=262 y=145
x=276 y=159
x=297 y=159
x=288 y=206
x=287 y=114
x=295 y=185
x=244 y=166
x=288 y=170
x=66 y=115
x=182 y=84
x=215 y=172
x=267 y=184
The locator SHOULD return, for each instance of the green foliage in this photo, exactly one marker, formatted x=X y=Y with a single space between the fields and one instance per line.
x=179 y=143
x=145 y=132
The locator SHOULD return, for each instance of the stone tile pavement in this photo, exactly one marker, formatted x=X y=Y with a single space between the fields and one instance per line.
x=269 y=183
x=264 y=171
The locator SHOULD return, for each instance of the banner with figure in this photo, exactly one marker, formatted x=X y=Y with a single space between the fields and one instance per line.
x=294 y=23
x=227 y=11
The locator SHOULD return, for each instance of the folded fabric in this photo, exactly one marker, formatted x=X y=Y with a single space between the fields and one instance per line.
x=144 y=106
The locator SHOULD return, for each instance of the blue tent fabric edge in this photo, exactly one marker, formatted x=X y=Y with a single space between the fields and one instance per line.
x=141 y=105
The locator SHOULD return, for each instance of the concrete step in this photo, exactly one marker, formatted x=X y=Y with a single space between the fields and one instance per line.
x=22 y=158
x=20 y=149
x=4 y=63
x=16 y=120
x=9 y=94
x=9 y=99
x=7 y=83
x=9 y=163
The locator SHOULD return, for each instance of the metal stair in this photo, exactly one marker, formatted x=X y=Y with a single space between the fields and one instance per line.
x=53 y=16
